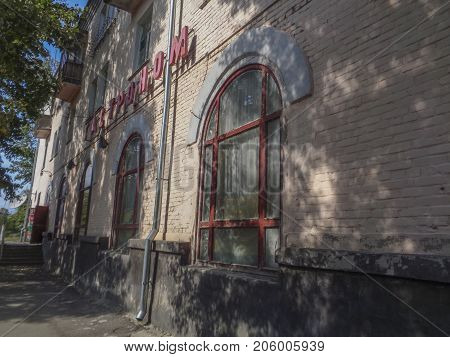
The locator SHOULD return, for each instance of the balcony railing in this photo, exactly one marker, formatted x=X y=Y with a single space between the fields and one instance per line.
x=126 y=5
x=43 y=126
x=70 y=73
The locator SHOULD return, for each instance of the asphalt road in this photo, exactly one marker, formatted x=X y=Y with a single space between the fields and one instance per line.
x=32 y=304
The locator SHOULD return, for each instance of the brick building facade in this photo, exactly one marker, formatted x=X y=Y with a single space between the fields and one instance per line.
x=353 y=236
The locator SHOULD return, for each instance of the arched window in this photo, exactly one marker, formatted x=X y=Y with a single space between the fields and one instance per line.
x=60 y=203
x=84 y=200
x=240 y=190
x=128 y=191
x=48 y=193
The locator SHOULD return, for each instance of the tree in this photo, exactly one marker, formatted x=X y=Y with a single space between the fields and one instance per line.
x=14 y=221
x=27 y=81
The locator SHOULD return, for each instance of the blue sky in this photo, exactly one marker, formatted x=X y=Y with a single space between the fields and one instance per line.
x=55 y=54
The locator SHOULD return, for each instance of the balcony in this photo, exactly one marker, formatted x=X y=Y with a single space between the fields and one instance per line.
x=125 y=5
x=43 y=126
x=70 y=71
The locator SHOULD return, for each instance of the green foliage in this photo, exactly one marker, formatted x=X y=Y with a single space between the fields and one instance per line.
x=27 y=80
x=14 y=221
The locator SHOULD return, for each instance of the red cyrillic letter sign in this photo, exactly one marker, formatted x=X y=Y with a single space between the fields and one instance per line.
x=93 y=125
x=130 y=94
x=120 y=101
x=112 y=104
x=158 y=65
x=180 y=47
x=101 y=118
x=143 y=80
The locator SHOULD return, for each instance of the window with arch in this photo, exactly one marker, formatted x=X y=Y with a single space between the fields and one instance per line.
x=84 y=200
x=239 y=218
x=60 y=203
x=128 y=191
x=48 y=193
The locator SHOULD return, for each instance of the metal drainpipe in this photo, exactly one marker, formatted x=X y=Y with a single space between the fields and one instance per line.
x=160 y=173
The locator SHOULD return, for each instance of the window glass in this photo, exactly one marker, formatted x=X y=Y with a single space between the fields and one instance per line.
x=132 y=154
x=244 y=229
x=70 y=123
x=236 y=245
x=92 y=94
x=273 y=169
x=84 y=194
x=123 y=236
x=237 y=177
x=128 y=199
x=102 y=81
x=273 y=101
x=64 y=189
x=84 y=207
x=204 y=237
x=87 y=182
x=211 y=132
x=143 y=40
x=58 y=139
x=241 y=101
x=271 y=245
x=45 y=154
x=47 y=194
x=207 y=183
x=60 y=206
x=129 y=187
x=55 y=147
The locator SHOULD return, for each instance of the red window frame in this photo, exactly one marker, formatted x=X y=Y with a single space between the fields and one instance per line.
x=121 y=175
x=81 y=189
x=60 y=203
x=262 y=222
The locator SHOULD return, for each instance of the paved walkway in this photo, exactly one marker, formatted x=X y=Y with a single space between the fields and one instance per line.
x=23 y=290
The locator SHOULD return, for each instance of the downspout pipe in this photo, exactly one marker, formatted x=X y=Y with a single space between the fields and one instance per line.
x=160 y=172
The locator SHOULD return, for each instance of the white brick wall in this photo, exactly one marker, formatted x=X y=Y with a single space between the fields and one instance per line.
x=366 y=157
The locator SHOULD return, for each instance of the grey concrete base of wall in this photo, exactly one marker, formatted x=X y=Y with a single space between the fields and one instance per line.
x=201 y=301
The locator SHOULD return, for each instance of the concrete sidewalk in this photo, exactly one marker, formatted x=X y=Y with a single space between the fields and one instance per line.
x=23 y=290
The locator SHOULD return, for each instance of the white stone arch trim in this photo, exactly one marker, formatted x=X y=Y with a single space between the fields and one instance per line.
x=88 y=157
x=138 y=124
x=268 y=46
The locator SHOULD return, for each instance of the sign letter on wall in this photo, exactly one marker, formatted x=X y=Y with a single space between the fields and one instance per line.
x=179 y=46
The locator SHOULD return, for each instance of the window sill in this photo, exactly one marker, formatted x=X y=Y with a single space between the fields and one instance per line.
x=264 y=276
x=203 y=4
x=162 y=246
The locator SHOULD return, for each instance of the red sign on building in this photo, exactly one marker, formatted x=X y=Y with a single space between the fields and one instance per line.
x=179 y=50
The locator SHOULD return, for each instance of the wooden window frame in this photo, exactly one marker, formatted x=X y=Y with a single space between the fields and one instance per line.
x=261 y=123
x=121 y=175
x=146 y=19
x=79 y=228
x=60 y=205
